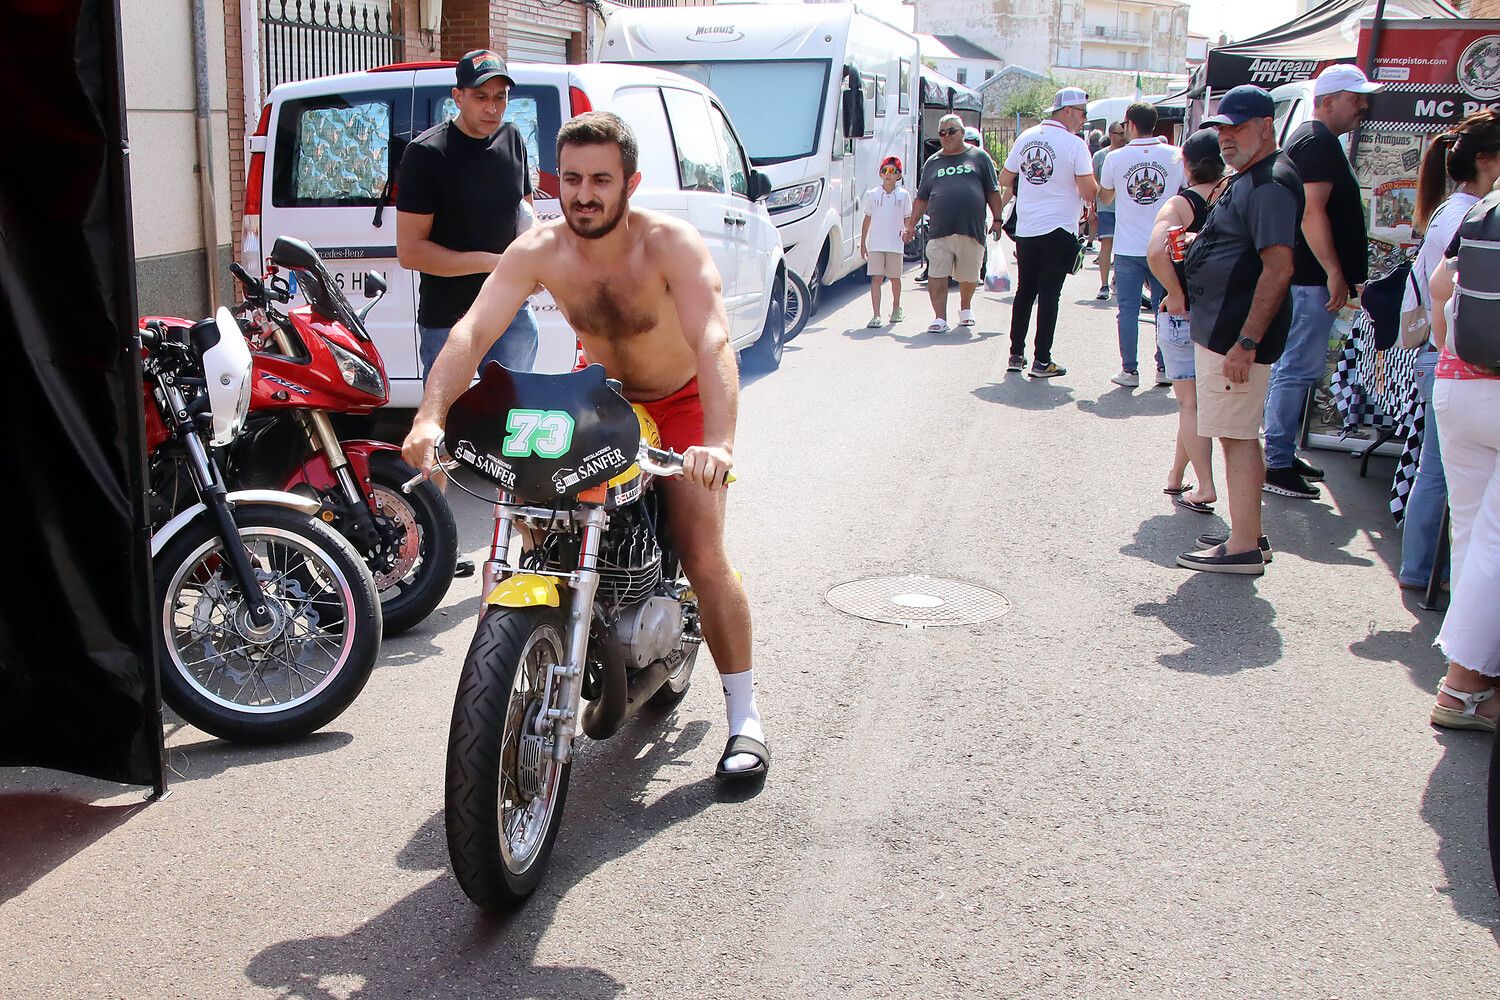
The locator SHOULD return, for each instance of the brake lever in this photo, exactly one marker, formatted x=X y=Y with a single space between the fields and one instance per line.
x=442 y=465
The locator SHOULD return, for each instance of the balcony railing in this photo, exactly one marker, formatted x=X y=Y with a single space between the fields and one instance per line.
x=1105 y=33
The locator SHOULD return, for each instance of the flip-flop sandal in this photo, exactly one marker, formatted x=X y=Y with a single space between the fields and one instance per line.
x=966 y=318
x=751 y=746
x=1179 y=490
x=1193 y=505
x=938 y=326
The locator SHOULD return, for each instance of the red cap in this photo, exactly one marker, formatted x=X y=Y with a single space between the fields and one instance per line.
x=892 y=161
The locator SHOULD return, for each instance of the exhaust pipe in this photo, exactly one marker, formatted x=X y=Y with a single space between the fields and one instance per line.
x=621 y=697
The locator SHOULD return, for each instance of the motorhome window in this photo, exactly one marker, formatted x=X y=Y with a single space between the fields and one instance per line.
x=880 y=96
x=531 y=109
x=776 y=106
x=332 y=151
x=700 y=164
x=734 y=153
x=903 y=105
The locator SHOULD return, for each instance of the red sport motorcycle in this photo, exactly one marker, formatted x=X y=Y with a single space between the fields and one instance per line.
x=314 y=360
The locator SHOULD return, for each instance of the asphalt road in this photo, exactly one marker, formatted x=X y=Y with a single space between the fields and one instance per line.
x=1137 y=782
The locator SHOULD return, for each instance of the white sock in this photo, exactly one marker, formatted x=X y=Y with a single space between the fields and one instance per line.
x=744 y=717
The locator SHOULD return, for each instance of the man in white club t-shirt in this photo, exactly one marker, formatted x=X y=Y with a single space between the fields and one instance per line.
x=1137 y=179
x=1054 y=177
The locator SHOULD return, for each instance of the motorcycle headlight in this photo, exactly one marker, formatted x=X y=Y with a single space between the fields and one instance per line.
x=797 y=196
x=358 y=372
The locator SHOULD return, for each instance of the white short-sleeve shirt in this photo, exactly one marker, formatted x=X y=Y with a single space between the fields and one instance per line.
x=1143 y=173
x=1047 y=159
x=888 y=212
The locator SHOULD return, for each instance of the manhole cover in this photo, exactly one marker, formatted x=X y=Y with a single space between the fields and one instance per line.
x=917 y=601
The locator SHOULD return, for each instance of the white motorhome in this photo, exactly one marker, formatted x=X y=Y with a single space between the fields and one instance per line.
x=821 y=93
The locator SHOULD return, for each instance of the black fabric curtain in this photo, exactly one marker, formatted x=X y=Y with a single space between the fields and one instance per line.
x=78 y=683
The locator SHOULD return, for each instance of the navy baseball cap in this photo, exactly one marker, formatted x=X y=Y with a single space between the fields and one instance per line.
x=479 y=67
x=1241 y=105
x=1202 y=145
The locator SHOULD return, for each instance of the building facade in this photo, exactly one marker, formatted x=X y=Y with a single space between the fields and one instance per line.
x=959 y=59
x=1144 y=35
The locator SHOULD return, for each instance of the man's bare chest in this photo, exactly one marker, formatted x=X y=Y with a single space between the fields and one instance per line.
x=618 y=305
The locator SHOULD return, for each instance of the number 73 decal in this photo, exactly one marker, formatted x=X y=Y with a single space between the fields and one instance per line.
x=547 y=433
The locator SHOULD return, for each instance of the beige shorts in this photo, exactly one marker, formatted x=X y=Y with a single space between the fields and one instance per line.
x=954 y=257
x=883 y=264
x=1229 y=409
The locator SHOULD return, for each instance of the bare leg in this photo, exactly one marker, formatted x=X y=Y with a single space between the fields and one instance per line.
x=1245 y=469
x=1179 y=460
x=1192 y=446
x=697 y=520
x=1461 y=678
x=895 y=294
x=1106 y=257
x=937 y=293
x=966 y=293
x=875 y=293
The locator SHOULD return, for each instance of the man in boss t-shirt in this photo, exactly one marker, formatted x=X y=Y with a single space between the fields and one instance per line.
x=1054 y=177
x=1330 y=264
x=459 y=188
x=1137 y=180
x=1238 y=270
x=958 y=183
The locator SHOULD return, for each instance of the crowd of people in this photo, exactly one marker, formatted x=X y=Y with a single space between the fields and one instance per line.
x=1245 y=253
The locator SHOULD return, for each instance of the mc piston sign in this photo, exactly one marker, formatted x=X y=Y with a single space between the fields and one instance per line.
x=1436 y=73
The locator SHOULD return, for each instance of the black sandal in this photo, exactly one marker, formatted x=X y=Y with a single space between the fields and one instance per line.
x=751 y=746
x=1177 y=491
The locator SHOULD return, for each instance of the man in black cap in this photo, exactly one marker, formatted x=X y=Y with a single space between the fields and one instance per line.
x=1238 y=271
x=459 y=188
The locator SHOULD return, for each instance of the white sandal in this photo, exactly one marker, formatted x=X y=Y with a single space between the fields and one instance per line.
x=1466 y=718
x=938 y=326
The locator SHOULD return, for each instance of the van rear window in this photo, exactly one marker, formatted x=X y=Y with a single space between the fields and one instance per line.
x=333 y=151
x=533 y=109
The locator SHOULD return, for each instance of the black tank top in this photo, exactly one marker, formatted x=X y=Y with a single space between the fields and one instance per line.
x=1199 y=205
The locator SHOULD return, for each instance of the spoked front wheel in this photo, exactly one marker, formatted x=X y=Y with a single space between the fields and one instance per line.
x=504 y=798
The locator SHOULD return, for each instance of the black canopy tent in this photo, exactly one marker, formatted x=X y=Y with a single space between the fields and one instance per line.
x=1301 y=48
x=940 y=92
x=78 y=682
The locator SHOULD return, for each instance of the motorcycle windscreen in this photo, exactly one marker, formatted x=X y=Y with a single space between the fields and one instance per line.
x=544 y=438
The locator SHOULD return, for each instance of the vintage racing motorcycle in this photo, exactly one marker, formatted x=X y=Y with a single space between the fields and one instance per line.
x=586 y=618
x=269 y=621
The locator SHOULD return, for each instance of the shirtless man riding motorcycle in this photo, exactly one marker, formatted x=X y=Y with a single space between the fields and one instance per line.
x=646 y=301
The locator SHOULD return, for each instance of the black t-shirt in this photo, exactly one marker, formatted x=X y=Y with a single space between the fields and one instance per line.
x=471 y=188
x=1260 y=207
x=1320 y=159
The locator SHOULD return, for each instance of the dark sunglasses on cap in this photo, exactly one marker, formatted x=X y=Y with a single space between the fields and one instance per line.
x=949 y=131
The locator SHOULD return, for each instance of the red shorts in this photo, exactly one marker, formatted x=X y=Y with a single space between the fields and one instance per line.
x=679 y=417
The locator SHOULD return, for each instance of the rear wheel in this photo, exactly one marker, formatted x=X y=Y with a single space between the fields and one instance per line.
x=413 y=575
x=504 y=797
x=797 y=306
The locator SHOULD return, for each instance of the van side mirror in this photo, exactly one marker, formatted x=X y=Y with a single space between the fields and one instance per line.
x=374 y=284
x=760 y=186
x=852 y=100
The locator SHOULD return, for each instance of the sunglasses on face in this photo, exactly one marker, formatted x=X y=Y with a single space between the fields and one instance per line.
x=889 y=170
x=949 y=131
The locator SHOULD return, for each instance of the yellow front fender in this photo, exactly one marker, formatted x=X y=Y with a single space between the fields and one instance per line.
x=526 y=590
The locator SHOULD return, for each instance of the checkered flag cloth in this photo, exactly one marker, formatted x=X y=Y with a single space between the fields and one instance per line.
x=1411 y=455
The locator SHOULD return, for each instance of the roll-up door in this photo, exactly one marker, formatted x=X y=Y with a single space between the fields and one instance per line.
x=536 y=44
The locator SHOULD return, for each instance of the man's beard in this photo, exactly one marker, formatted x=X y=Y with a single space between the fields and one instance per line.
x=596 y=227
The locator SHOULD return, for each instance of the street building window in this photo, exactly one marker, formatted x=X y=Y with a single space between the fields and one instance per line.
x=963 y=75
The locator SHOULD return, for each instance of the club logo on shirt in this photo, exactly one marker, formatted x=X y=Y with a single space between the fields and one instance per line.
x=1037 y=163
x=1145 y=183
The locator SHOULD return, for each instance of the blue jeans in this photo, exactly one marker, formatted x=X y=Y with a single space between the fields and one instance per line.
x=1300 y=367
x=1429 y=494
x=1131 y=275
x=516 y=348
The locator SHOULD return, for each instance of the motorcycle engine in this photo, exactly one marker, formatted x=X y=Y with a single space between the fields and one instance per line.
x=643 y=633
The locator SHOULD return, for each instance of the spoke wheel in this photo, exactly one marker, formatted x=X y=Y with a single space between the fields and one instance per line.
x=798 y=305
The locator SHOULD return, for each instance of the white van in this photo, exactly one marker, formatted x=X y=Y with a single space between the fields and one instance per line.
x=782 y=71
x=325 y=155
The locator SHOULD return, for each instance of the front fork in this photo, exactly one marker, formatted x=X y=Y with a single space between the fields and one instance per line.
x=559 y=721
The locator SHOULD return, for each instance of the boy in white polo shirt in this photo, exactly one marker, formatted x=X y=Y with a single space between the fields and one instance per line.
x=887 y=209
x=1137 y=179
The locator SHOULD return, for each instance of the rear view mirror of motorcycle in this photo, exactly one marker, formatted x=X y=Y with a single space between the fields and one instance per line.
x=374 y=284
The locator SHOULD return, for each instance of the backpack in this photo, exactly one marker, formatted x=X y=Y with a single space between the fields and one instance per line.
x=1476 y=295
x=1381 y=302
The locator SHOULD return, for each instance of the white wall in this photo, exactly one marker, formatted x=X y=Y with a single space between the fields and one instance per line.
x=159 y=101
x=974 y=68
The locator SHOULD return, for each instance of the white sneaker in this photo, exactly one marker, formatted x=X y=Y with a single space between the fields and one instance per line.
x=966 y=317
x=1128 y=379
x=1161 y=377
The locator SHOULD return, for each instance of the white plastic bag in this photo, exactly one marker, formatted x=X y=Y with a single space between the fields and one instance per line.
x=997 y=274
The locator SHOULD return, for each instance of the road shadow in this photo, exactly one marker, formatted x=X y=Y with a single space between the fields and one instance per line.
x=1413 y=650
x=211 y=757
x=918 y=338
x=1160 y=539
x=1228 y=626
x=435 y=943
x=41 y=830
x=1023 y=393
x=1123 y=401
x=1311 y=529
x=1454 y=804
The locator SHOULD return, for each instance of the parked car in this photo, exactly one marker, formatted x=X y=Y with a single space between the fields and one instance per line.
x=324 y=160
x=821 y=92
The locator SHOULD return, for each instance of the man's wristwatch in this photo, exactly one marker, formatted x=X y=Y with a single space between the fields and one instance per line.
x=1248 y=344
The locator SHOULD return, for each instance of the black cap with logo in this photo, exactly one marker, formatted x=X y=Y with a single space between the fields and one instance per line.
x=479 y=67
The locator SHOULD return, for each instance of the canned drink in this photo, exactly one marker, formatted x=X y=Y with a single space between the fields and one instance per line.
x=1177 y=243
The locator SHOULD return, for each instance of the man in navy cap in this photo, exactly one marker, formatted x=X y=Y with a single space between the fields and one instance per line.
x=1238 y=271
x=460 y=185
